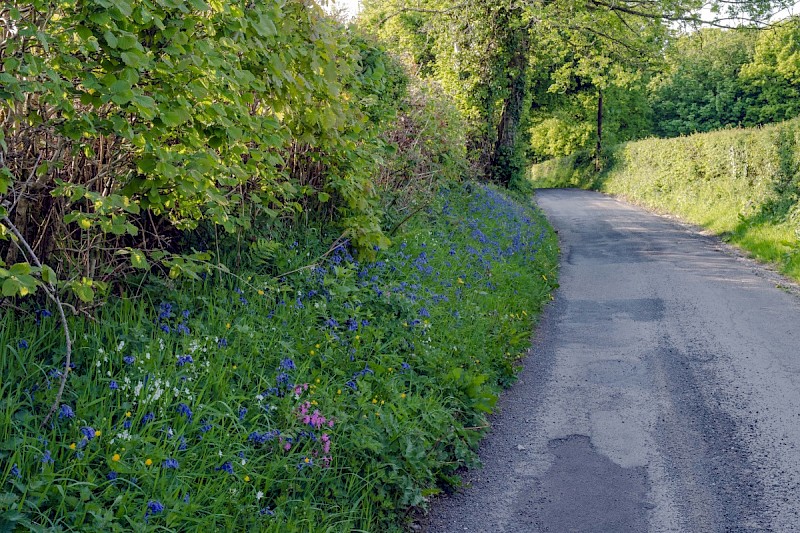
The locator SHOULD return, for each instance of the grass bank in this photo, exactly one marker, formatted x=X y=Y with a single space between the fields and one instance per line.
x=331 y=399
x=742 y=184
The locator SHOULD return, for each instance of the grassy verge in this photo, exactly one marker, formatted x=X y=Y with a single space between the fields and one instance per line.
x=328 y=400
x=742 y=184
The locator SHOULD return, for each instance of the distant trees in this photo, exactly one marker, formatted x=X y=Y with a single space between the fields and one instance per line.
x=717 y=78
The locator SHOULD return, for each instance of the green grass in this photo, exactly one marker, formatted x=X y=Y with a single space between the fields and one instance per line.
x=330 y=400
x=741 y=184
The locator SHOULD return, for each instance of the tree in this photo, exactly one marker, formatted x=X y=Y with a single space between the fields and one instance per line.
x=489 y=56
x=774 y=74
x=701 y=88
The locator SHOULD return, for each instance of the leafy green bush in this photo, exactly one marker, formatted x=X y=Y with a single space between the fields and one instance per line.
x=126 y=121
x=743 y=184
x=329 y=399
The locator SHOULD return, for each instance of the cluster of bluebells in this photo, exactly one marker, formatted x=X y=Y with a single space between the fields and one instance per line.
x=353 y=382
x=169 y=321
x=406 y=279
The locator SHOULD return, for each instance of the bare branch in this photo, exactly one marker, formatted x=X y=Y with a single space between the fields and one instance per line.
x=52 y=293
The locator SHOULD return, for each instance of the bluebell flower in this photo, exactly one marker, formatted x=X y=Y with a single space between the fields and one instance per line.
x=182 y=328
x=424 y=312
x=405 y=366
x=282 y=378
x=113 y=385
x=352 y=384
x=365 y=323
x=185 y=313
x=287 y=364
x=165 y=310
x=47 y=458
x=15 y=471
x=222 y=343
x=129 y=359
x=165 y=328
x=352 y=324
x=225 y=467
x=331 y=323
x=149 y=417
x=206 y=427
x=242 y=413
x=127 y=423
x=88 y=432
x=170 y=463
x=184 y=359
x=153 y=507
x=66 y=411
x=184 y=410
x=111 y=476
x=22 y=344
x=183 y=446
x=44 y=313
x=266 y=511
x=186 y=498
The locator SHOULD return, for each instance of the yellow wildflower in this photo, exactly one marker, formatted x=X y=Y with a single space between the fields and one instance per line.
x=115 y=457
x=148 y=462
x=73 y=446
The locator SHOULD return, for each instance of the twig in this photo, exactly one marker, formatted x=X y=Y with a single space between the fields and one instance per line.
x=414 y=212
x=340 y=241
x=52 y=293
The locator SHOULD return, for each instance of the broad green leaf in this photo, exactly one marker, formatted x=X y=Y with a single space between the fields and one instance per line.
x=138 y=260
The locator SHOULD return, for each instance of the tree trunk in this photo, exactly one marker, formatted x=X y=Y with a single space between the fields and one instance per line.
x=505 y=162
x=599 y=147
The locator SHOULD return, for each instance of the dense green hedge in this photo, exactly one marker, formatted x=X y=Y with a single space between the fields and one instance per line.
x=742 y=184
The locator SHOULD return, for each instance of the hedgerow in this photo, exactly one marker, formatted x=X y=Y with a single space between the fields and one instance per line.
x=743 y=184
x=128 y=121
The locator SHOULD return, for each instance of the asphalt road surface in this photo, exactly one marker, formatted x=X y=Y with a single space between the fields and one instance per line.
x=662 y=392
